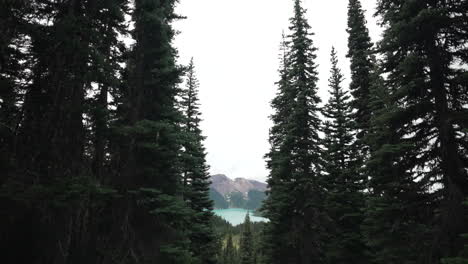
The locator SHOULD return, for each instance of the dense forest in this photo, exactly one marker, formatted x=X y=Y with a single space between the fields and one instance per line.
x=102 y=157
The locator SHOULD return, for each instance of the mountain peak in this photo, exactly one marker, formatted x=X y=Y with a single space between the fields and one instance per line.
x=224 y=185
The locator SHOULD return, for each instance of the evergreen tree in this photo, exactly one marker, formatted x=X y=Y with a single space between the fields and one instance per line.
x=51 y=186
x=230 y=252
x=345 y=199
x=247 y=248
x=196 y=179
x=294 y=203
x=13 y=44
x=359 y=53
x=462 y=257
x=107 y=56
x=86 y=177
x=394 y=230
x=419 y=176
x=152 y=217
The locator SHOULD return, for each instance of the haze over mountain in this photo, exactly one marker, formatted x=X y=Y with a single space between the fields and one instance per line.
x=224 y=185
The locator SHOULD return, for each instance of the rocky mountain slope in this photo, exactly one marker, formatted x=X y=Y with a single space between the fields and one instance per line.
x=237 y=193
x=224 y=185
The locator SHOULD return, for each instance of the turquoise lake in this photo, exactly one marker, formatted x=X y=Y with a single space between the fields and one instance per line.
x=236 y=216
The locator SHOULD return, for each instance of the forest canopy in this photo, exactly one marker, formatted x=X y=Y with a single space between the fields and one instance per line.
x=102 y=155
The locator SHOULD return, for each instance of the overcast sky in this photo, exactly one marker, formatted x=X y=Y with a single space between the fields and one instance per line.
x=235 y=45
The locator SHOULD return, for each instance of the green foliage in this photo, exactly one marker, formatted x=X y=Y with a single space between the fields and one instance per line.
x=236 y=200
x=462 y=257
x=255 y=199
x=218 y=200
x=196 y=179
x=230 y=254
x=418 y=162
x=359 y=53
x=95 y=174
x=344 y=185
x=294 y=203
x=246 y=249
x=225 y=231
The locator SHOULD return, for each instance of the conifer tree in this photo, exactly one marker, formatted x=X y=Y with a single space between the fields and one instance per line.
x=230 y=252
x=419 y=180
x=106 y=56
x=247 y=247
x=462 y=257
x=390 y=186
x=294 y=203
x=87 y=181
x=344 y=187
x=12 y=75
x=52 y=183
x=152 y=208
x=196 y=179
x=359 y=53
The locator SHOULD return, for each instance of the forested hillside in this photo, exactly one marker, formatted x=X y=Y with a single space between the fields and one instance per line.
x=237 y=193
x=102 y=155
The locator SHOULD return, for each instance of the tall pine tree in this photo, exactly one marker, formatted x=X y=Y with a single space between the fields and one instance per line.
x=359 y=53
x=247 y=248
x=345 y=199
x=230 y=252
x=420 y=179
x=153 y=219
x=196 y=179
x=294 y=203
x=87 y=177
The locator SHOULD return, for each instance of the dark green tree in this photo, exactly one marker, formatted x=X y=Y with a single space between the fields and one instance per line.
x=230 y=255
x=106 y=57
x=359 y=53
x=13 y=78
x=196 y=179
x=152 y=218
x=462 y=257
x=51 y=186
x=390 y=187
x=247 y=248
x=90 y=137
x=294 y=204
x=418 y=166
x=345 y=200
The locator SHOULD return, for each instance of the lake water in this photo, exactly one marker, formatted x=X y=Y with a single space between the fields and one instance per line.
x=236 y=216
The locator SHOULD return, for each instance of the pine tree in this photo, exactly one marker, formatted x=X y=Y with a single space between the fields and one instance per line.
x=230 y=252
x=462 y=257
x=359 y=53
x=152 y=209
x=93 y=178
x=246 y=249
x=52 y=185
x=107 y=55
x=419 y=176
x=394 y=230
x=196 y=179
x=294 y=201
x=344 y=187
x=12 y=76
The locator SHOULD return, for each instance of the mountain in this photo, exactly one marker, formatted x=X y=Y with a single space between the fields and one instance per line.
x=224 y=185
x=237 y=193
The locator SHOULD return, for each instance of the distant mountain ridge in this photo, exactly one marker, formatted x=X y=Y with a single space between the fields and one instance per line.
x=224 y=185
x=237 y=193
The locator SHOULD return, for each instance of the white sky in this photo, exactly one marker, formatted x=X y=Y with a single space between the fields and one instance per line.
x=235 y=45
